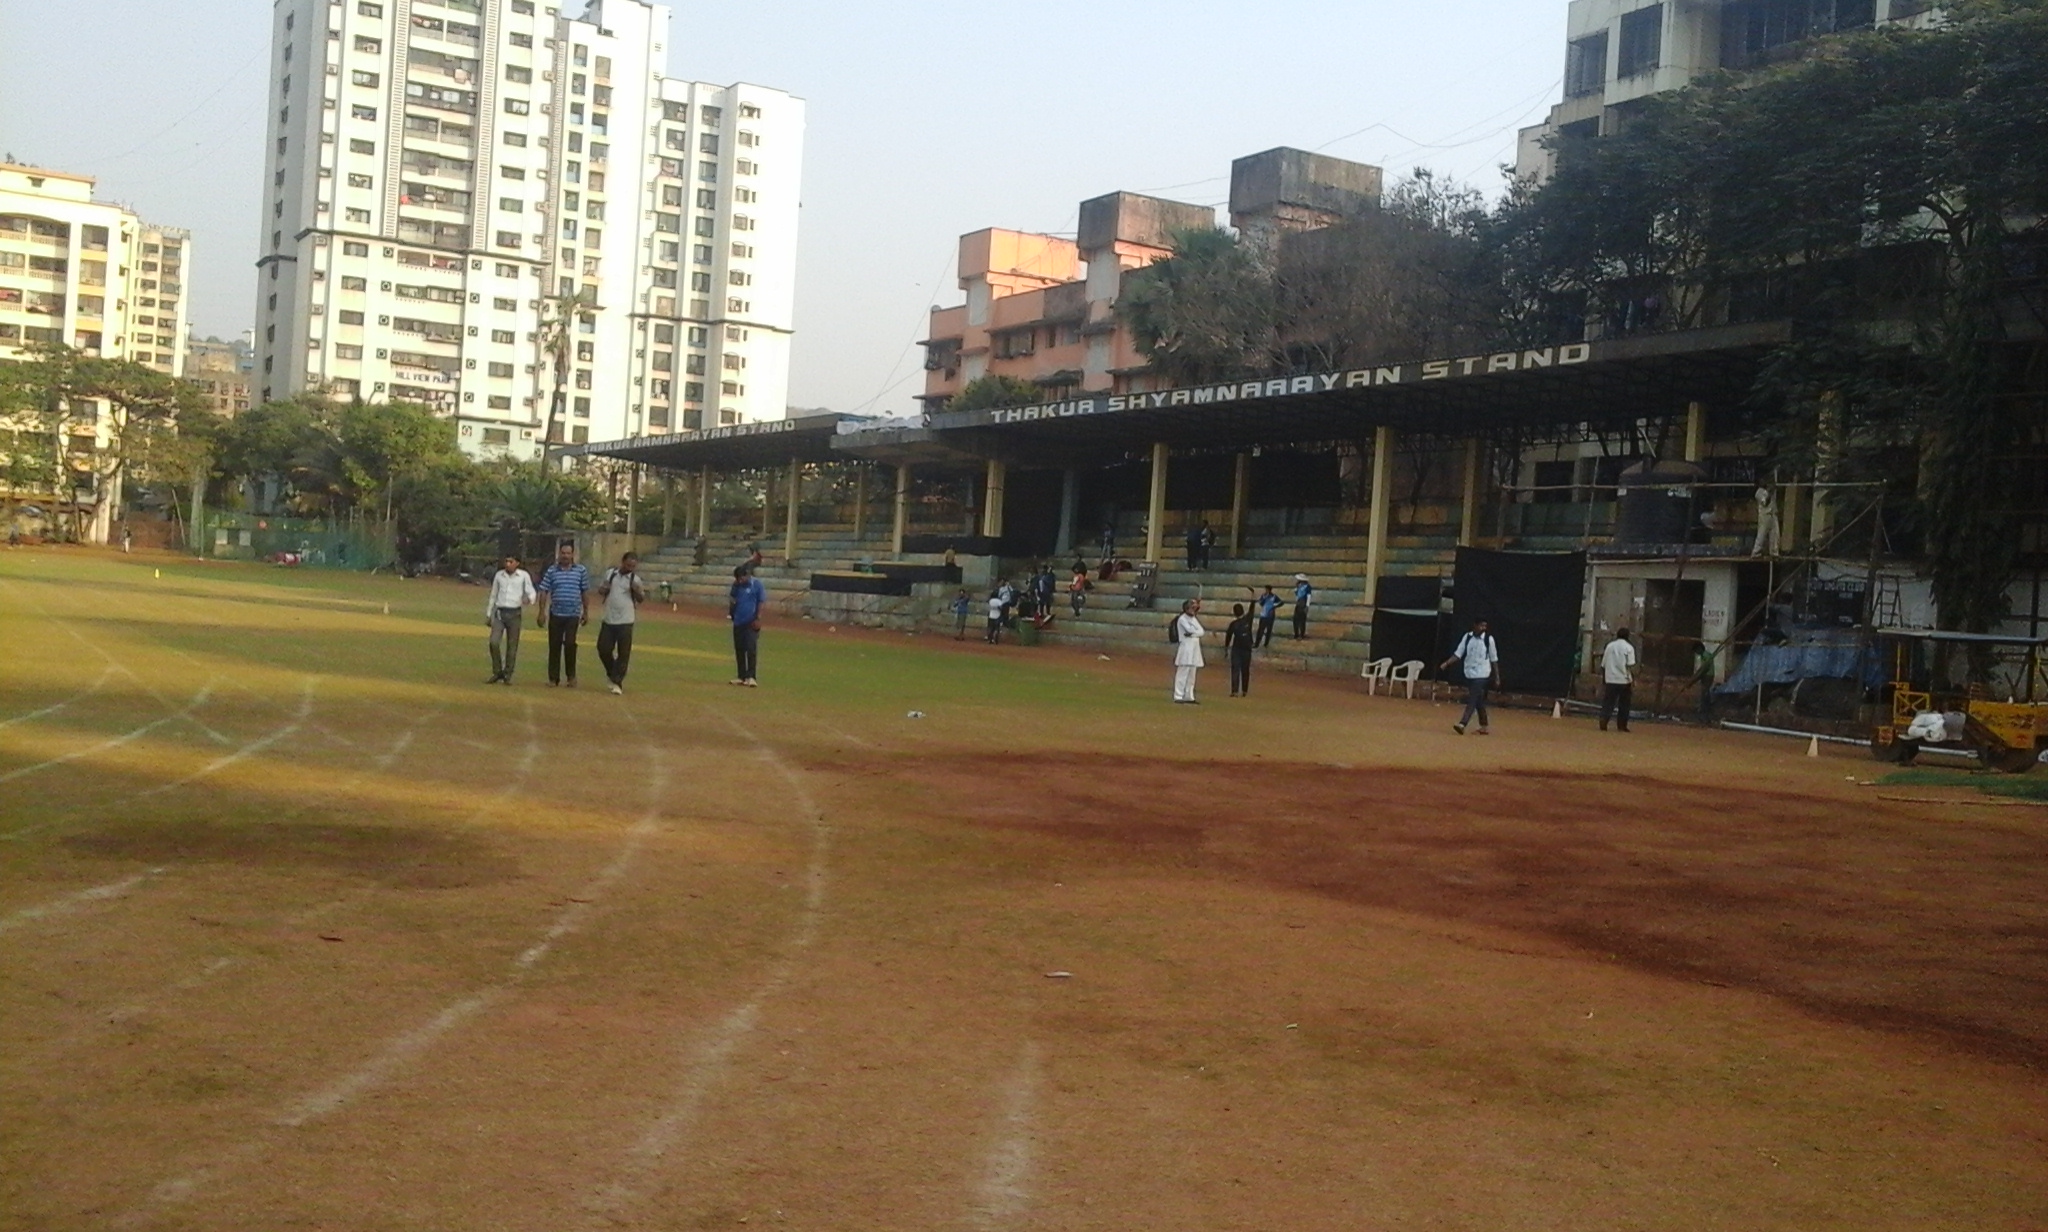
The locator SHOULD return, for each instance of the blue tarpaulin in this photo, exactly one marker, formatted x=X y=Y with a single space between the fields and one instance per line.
x=1838 y=654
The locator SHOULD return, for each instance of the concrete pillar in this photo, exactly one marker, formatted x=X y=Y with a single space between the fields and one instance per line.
x=796 y=495
x=668 y=504
x=633 y=501
x=1240 y=500
x=860 y=501
x=1155 y=519
x=704 y=504
x=1468 y=508
x=1695 y=431
x=992 y=499
x=1791 y=518
x=1382 y=501
x=767 y=500
x=902 y=508
x=1070 y=507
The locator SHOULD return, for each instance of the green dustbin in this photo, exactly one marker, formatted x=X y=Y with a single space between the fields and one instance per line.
x=1027 y=633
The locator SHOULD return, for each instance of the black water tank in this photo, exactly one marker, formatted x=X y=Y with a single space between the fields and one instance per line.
x=1659 y=502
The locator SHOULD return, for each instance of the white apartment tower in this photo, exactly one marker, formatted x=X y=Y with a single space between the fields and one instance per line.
x=1620 y=52
x=445 y=175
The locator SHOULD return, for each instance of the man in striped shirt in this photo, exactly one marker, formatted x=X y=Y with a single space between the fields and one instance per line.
x=565 y=607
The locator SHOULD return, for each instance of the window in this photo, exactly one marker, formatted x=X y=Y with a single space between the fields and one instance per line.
x=600 y=96
x=358 y=216
x=1585 y=66
x=351 y=316
x=363 y=112
x=368 y=9
x=1642 y=41
x=747 y=166
x=508 y=239
x=735 y=363
x=500 y=369
x=373 y=46
x=709 y=116
x=583 y=382
x=707 y=143
x=731 y=389
x=593 y=236
x=750 y=140
x=357 y=145
x=523 y=7
x=504 y=303
x=522 y=40
x=579 y=55
x=741 y=222
x=707 y=198
x=350 y=282
x=668 y=250
x=358 y=180
x=700 y=281
x=512 y=205
x=665 y=334
x=663 y=361
x=514 y=72
x=745 y=196
x=693 y=364
x=355 y=248
x=672 y=195
x=738 y=305
x=1753 y=31
x=700 y=254
x=707 y=172
x=749 y=112
x=347 y=350
x=363 y=77
x=501 y=335
x=739 y=278
x=705 y=226
x=596 y=177
x=580 y=434
x=668 y=222
x=594 y=211
x=663 y=277
x=742 y=251
x=586 y=352
x=507 y=270
x=516 y=106
x=735 y=333
x=511 y=138
x=693 y=391
x=599 y=152
x=499 y=436
x=677 y=139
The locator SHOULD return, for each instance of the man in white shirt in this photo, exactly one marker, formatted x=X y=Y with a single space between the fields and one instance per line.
x=1187 y=652
x=1479 y=661
x=1618 y=670
x=511 y=591
x=621 y=591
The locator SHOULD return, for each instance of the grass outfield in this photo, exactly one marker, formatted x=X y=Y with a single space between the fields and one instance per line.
x=301 y=925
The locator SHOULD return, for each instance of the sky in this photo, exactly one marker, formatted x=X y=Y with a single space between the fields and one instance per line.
x=926 y=121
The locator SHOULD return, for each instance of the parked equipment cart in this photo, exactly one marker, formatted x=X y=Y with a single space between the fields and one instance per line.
x=2006 y=736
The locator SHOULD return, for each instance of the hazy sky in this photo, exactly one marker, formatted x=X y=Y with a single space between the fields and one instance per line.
x=926 y=120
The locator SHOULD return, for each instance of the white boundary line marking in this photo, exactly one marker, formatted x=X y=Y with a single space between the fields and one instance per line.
x=79 y=696
x=1005 y=1189
x=406 y=1047
x=704 y=1069
x=298 y=720
x=72 y=902
x=198 y=699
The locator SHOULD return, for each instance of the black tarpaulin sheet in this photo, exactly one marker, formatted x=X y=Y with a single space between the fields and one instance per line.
x=1532 y=601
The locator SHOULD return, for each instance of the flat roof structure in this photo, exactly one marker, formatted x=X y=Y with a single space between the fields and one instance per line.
x=1602 y=384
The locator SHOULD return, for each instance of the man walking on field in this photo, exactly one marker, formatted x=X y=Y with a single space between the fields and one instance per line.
x=565 y=608
x=1618 y=672
x=1476 y=654
x=621 y=591
x=511 y=591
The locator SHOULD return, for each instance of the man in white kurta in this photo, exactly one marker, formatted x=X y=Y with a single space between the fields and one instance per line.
x=1187 y=653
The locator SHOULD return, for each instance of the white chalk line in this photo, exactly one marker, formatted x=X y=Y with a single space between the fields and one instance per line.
x=105 y=675
x=250 y=749
x=402 y=1050
x=1004 y=1192
x=708 y=1058
x=74 y=902
x=128 y=737
x=121 y=667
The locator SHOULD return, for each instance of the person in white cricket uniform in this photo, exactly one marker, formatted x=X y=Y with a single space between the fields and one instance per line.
x=1618 y=672
x=511 y=592
x=1187 y=652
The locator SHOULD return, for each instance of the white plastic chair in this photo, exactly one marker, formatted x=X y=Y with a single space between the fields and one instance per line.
x=1408 y=673
x=1375 y=672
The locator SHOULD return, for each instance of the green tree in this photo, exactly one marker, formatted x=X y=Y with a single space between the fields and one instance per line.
x=533 y=497
x=1209 y=312
x=554 y=341
x=995 y=390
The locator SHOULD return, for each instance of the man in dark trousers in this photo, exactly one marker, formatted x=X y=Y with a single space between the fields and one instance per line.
x=622 y=594
x=1304 y=595
x=744 y=604
x=1194 y=547
x=1618 y=675
x=1237 y=643
x=1268 y=606
x=565 y=608
x=1478 y=661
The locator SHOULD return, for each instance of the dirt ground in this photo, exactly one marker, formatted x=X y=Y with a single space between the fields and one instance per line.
x=303 y=927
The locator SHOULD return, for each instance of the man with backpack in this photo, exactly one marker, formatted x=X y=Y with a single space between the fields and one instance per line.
x=622 y=593
x=1479 y=659
x=1185 y=632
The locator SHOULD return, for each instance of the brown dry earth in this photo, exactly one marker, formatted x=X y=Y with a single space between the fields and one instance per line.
x=1325 y=966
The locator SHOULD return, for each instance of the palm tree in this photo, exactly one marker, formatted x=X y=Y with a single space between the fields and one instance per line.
x=558 y=314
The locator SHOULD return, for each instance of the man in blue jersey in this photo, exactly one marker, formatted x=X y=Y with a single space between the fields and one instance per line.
x=744 y=604
x=564 y=608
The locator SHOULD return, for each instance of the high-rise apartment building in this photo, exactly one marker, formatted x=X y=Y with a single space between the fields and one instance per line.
x=448 y=178
x=88 y=274
x=1620 y=52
